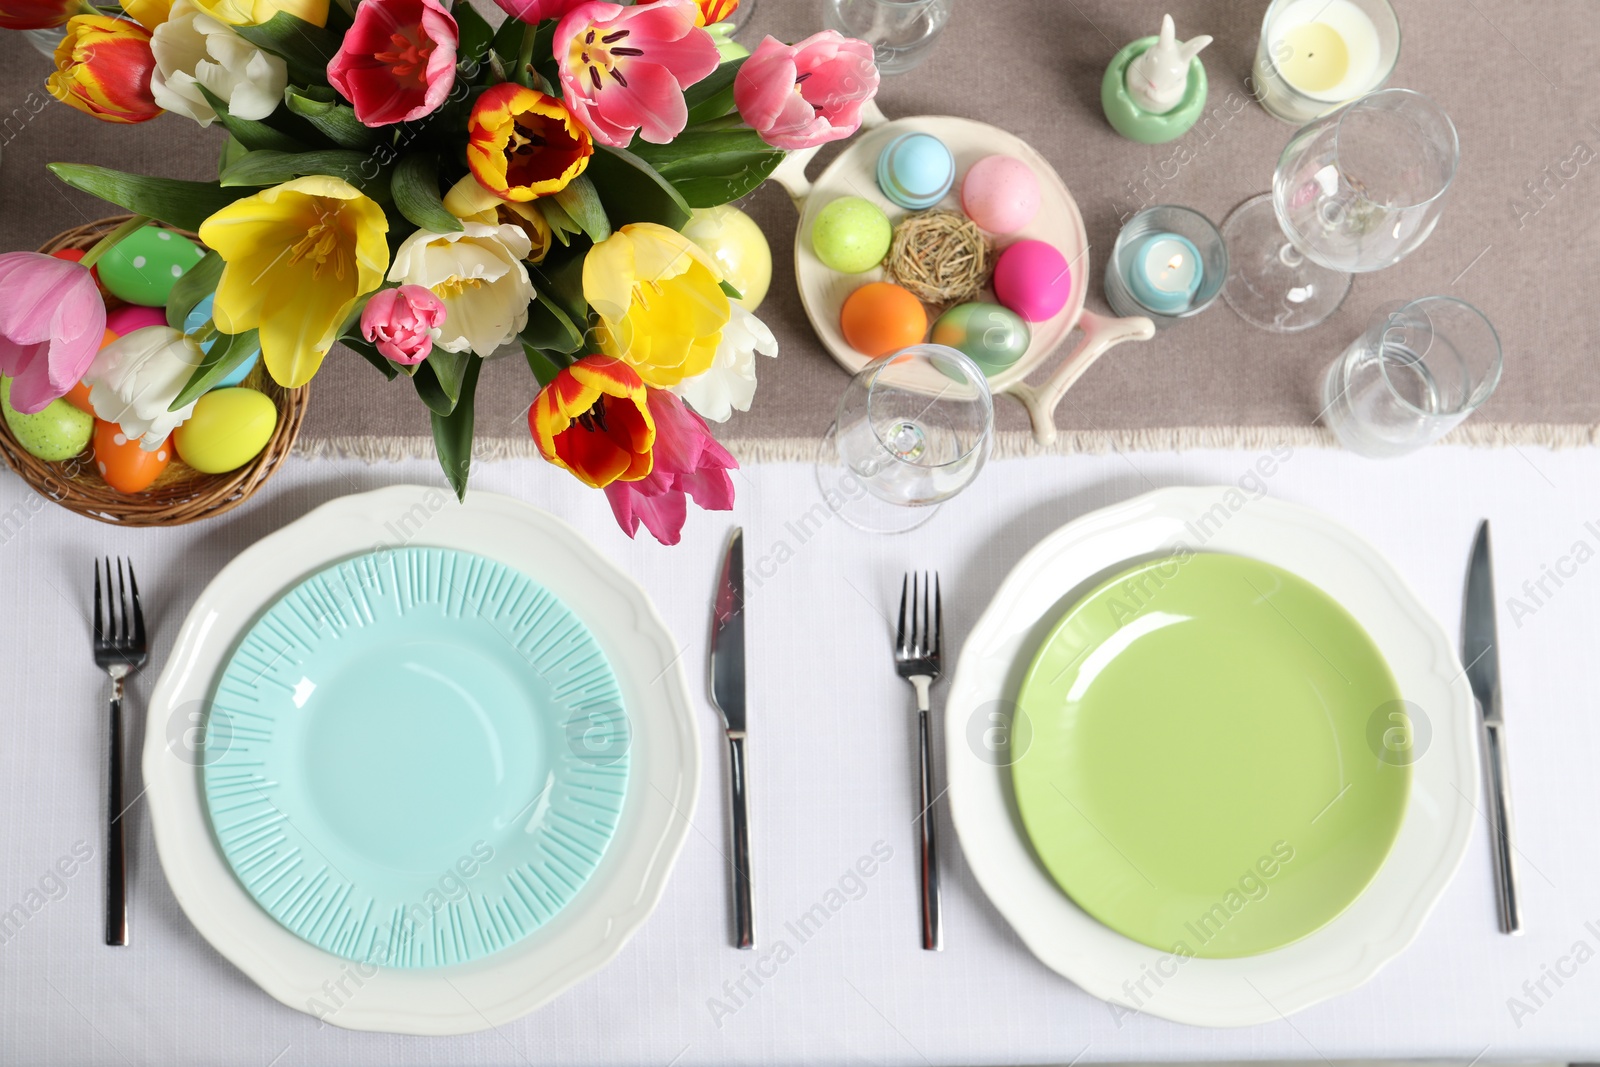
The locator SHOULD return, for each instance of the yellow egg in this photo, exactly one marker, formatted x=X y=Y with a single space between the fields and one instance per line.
x=227 y=429
x=738 y=246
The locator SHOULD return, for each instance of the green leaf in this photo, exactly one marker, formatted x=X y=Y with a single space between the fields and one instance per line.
x=416 y=193
x=713 y=167
x=712 y=97
x=177 y=203
x=731 y=292
x=228 y=351
x=452 y=433
x=582 y=204
x=370 y=353
x=305 y=47
x=560 y=280
x=272 y=168
x=549 y=327
x=248 y=132
x=545 y=366
x=192 y=287
x=439 y=377
x=231 y=151
x=561 y=224
x=476 y=36
x=632 y=191
x=320 y=106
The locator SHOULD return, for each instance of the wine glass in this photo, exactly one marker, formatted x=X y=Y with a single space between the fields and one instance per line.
x=901 y=32
x=913 y=430
x=1354 y=191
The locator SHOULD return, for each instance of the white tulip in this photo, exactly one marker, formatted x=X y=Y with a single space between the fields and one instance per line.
x=479 y=274
x=134 y=379
x=730 y=383
x=193 y=49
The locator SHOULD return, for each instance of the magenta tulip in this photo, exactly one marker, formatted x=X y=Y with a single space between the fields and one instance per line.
x=403 y=323
x=802 y=95
x=397 y=62
x=51 y=324
x=624 y=69
x=688 y=463
x=537 y=10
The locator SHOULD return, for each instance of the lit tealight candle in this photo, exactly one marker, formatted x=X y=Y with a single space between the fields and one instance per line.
x=1318 y=54
x=1164 y=273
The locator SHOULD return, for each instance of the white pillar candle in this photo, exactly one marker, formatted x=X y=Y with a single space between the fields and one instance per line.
x=1316 y=55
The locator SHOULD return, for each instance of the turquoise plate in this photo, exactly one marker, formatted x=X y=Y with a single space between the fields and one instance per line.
x=416 y=757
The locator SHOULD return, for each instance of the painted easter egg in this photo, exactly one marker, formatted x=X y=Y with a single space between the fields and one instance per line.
x=738 y=246
x=1032 y=279
x=915 y=170
x=851 y=235
x=58 y=432
x=123 y=462
x=129 y=317
x=991 y=336
x=197 y=318
x=881 y=317
x=226 y=430
x=1000 y=194
x=142 y=267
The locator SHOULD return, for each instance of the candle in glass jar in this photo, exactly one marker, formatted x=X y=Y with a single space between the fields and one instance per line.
x=1318 y=54
x=1164 y=273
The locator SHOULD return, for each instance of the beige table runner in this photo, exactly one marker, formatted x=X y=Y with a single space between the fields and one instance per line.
x=1520 y=237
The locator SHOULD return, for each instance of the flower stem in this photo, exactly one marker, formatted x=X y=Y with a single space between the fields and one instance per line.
x=102 y=246
x=524 y=71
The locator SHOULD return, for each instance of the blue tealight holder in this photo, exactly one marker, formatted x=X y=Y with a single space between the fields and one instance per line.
x=198 y=318
x=916 y=170
x=1168 y=263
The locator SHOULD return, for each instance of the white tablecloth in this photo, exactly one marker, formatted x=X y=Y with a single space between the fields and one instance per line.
x=831 y=754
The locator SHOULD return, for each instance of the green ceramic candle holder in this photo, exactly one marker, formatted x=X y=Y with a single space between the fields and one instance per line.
x=1128 y=119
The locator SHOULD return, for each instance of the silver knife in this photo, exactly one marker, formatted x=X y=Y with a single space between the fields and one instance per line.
x=1482 y=657
x=727 y=694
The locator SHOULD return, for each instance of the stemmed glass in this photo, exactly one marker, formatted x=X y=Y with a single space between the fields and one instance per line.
x=913 y=430
x=1354 y=191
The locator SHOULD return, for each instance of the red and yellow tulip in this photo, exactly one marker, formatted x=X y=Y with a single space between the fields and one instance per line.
x=522 y=143
x=103 y=68
x=40 y=14
x=594 y=420
x=708 y=11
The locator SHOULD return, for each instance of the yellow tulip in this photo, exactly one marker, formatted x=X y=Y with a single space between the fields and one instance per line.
x=661 y=305
x=297 y=258
x=255 y=12
x=148 y=13
x=469 y=201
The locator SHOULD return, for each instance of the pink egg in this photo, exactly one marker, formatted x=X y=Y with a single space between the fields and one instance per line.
x=130 y=317
x=1000 y=194
x=1032 y=279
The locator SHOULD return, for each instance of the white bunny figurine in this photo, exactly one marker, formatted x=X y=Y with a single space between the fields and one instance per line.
x=1158 y=76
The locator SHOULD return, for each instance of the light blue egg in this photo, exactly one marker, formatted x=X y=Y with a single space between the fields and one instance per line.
x=915 y=170
x=198 y=318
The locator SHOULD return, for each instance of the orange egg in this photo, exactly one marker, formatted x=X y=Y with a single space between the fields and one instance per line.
x=78 y=397
x=881 y=317
x=125 y=466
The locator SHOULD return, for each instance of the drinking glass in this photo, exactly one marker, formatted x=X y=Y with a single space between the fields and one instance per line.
x=1414 y=375
x=1355 y=191
x=1315 y=55
x=913 y=429
x=901 y=32
x=45 y=41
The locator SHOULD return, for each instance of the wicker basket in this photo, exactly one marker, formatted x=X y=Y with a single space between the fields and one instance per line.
x=182 y=494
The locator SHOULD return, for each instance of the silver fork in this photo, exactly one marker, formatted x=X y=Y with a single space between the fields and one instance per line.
x=916 y=659
x=119 y=650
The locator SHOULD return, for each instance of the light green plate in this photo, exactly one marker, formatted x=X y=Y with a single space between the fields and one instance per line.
x=1193 y=764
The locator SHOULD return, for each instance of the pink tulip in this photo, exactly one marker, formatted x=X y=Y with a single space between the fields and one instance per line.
x=624 y=69
x=802 y=95
x=537 y=10
x=688 y=463
x=397 y=62
x=402 y=322
x=51 y=324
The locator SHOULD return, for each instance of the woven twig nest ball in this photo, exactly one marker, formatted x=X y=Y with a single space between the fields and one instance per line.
x=182 y=494
x=940 y=256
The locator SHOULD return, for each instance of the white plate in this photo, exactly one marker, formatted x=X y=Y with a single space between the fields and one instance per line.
x=1439 y=815
x=663 y=781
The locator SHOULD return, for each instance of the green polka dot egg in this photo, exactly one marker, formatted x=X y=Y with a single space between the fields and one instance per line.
x=143 y=267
